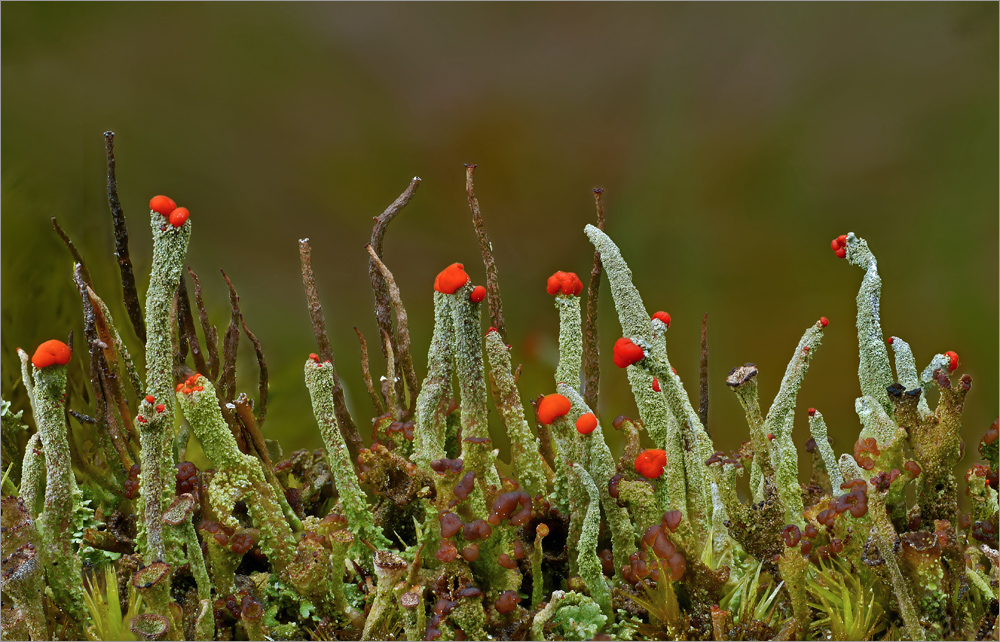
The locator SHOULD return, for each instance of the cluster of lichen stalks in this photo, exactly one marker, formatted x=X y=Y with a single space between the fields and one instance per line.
x=426 y=535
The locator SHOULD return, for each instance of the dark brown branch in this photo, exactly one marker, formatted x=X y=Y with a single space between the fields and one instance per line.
x=77 y=259
x=186 y=329
x=378 y=280
x=211 y=334
x=82 y=418
x=230 y=344
x=366 y=372
x=703 y=404
x=591 y=348
x=129 y=291
x=251 y=429
x=109 y=363
x=403 y=345
x=492 y=283
x=262 y=383
x=348 y=429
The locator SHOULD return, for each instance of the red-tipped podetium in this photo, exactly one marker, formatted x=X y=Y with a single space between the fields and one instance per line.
x=52 y=352
x=179 y=216
x=627 y=353
x=839 y=246
x=650 y=463
x=662 y=316
x=656 y=384
x=952 y=360
x=564 y=283
x=586 y=423
x=150 y=399
x=162 y=205
x=551 y=407
x=823 y=321
x=478 y=294
x=451 y=278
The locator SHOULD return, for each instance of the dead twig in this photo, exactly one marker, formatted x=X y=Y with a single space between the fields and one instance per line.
x=703 y=383
x=366 y=373
x=492 y=283
x=129 y=291
x=211 y=334
x=591 y=349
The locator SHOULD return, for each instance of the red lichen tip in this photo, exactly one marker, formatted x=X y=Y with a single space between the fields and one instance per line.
x=552 y=406
x=952 y=360
x=478 y=294
x=586 y=423
x=162 y=205
x=812 y=412
x=770 y=436
x=451 y=278
x=55 y=352
x=160 y=407
x=627 y=353
x=662 y=316
x=314 y=357
x=839 y=246
x=650 y=463
x=150 y=399
x=889 y=340
x=564 y=283
x=823 y=321
x=141 y=419
x=179 y=216
x=656 y=384
x=492 y=329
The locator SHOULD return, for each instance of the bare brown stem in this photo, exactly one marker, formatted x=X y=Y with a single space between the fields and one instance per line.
x=591 y=349
x=129 y=291
x=492 y=283
x=366 y=372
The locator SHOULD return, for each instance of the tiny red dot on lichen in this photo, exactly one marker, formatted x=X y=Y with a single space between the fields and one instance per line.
x=841 y=252
x=889 y=340
x=160 y=407
x=150 y=399
x=662 y=316
x=812 y=412
x=141 y=419
x=586 y=423
x=770 y=436
x=626 y=353
x=478 y=294
x=51 y=352
x=179 y=216
x=650 y=463
x=451 y=278
x=162 y=205
x=564 y=283
x=551 y=407
x=492 y=329
x=952 y=360
x=314 y=357
x=656 y=384
x=823 y=321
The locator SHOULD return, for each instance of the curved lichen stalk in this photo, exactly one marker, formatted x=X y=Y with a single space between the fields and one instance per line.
x=570 y=340
x=588 y=563
x=817 y=427
x=436 y=391
x=874 y=371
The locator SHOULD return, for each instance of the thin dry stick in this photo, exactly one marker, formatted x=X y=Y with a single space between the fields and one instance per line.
x=262 y=383
x=211 y=334
x=348 y=429
x=591 y=349
x=73 y=251
x=378 y=280
x=129 y=291
x=244 y=410
x=403 y=345
x=366 y=372
x=703 y=404
x=230 y=344
x=492 y=284
x=185 y=321
x=110 y=363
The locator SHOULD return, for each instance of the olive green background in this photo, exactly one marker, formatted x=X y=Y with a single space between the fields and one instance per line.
x=734 y=141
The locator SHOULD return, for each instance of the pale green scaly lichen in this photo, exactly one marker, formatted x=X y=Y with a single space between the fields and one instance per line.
x=570 y=340
x=574 y=616
x=432 y=402
x=238 y=476
x=468 y=346
x=885 y=540
x=588 y=563
x=937 y=444
x=26 y=379
x=874 y=371
x=12 y=428
x=742 y=380
x=569 y=451
x=33 y=475
x=319 y=381
x=158 y=541
x=58 y=520
x=876 y=422
x=779 y=423
x=537 y=553
x=471 y=618
x=722 y=544
x=389 y=570
x=524 y=446
x=906 y=372
x=817 y=427
x=601 y=467
x=641 y=500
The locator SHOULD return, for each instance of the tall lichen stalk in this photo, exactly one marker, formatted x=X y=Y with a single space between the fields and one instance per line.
x=423 y=532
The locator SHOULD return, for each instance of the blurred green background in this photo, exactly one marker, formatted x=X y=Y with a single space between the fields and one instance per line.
x=734 y=141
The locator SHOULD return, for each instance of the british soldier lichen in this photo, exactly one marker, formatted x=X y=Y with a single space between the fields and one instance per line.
x=427 y=534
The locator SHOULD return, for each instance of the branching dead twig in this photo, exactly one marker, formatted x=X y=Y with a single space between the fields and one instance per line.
x=492 y=283
x=129 y=291
x=591 y=349
x=188 y=334
x=211 y=334
x=366 y=373
x=379 y=286
x=403 y=344
x=230 y=344
x=348 y=429
x=262 y=382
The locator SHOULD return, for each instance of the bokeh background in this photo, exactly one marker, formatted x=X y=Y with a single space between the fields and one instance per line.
x=733 y=141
